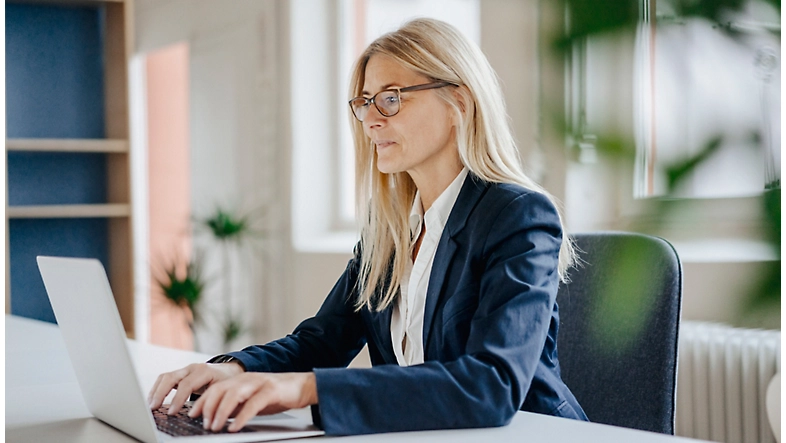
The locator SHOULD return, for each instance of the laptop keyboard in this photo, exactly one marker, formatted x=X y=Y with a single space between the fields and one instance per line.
x=181 y=424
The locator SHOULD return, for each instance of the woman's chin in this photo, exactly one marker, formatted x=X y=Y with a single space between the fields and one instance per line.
x=387 y=168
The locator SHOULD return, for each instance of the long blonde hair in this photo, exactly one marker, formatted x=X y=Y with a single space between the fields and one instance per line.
x=486 y=147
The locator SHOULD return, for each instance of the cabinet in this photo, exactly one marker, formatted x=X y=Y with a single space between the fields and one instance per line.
x=67 y=145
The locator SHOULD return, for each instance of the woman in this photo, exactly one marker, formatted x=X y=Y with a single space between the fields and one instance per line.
x=452 y=285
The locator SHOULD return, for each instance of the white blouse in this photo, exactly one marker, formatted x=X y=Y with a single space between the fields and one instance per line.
x=406 y=325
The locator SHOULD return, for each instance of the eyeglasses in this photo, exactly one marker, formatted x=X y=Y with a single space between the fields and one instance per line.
x=388 y=102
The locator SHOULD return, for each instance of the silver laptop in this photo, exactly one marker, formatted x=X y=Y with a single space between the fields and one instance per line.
x=93 y=333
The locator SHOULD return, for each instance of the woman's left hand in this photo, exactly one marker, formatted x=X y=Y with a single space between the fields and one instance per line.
x=246 y=395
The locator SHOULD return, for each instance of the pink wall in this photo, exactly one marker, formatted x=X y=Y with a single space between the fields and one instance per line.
x=168 y=169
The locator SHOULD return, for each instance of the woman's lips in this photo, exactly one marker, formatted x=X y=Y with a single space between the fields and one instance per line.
x=382 y=144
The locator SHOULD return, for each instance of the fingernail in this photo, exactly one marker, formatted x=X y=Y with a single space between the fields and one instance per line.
x=206 y=423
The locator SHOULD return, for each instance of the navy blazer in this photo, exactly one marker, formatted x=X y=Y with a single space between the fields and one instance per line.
x=489 y=331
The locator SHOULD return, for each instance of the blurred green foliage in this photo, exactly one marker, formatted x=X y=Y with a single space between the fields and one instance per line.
x=595 y=17
x=184 y=289
x=227 y=226
x=232 y=232
x=767 y=292
x=232 y=329
x=228 y=232
x=592 y=17
x=620 y=316
x=677 y=172
x=617 y=315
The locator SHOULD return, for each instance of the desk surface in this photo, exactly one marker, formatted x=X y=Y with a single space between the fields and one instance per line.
x=44 y=403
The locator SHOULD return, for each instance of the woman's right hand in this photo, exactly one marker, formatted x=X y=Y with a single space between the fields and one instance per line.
x=194 y=378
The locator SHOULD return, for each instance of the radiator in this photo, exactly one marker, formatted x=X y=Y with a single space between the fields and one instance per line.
x=722 y=379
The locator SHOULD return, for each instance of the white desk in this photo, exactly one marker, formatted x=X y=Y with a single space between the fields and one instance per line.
x=43 y=401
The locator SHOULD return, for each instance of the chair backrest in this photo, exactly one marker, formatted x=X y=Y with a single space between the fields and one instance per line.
x=619 y=320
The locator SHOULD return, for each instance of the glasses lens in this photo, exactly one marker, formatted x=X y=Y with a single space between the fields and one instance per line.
x=387 y=102
x=359 y=107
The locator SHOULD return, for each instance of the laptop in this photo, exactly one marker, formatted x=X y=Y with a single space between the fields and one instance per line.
x=93 y=333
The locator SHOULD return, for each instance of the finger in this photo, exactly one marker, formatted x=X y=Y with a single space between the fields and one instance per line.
x=249 y=410
x=230 y=401
x=181 y=396
x=196 y=408
x=164 y=386
x=186 y=387
x=154 y=398
x=184 y=390
x=210 y=400
x=152 y=391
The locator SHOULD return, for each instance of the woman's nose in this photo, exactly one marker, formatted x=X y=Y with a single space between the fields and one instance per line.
x=373 y=117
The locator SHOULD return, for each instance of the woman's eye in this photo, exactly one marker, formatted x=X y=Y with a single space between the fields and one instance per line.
x=391 y=100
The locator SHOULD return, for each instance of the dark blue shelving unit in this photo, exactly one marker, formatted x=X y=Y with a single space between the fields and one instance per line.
x=55 y=89
x=69 y=237
x=56 y=178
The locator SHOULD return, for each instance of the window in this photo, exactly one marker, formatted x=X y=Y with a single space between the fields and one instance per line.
x=710 y=91
x=669 y=91
x=325 y=42
x=361 y=22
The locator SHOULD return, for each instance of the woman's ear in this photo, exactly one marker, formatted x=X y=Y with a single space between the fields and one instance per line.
x=462 y=98
x=461 y=95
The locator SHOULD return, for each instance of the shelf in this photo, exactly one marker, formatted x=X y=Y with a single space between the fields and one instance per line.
x=67 y=141
x=67 y=145
x=64 y=2
x=69 y=211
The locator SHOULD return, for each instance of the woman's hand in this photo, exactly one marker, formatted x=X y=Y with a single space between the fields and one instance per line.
x=191 y=379
x=252 y=393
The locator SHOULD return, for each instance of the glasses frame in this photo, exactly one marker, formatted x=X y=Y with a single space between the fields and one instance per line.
x=398 y=91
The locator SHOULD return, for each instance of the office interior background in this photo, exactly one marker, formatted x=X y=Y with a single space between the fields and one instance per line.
x=237 y=170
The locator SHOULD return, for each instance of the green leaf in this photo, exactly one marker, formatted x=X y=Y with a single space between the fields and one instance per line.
x=772 y=210
x=679 y=171
x=592 y=17
x=715 y=10
x=185 y=290
x=227 y=226
x=232 y=330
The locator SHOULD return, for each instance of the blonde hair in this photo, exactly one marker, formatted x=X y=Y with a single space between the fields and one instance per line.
x=486 y=147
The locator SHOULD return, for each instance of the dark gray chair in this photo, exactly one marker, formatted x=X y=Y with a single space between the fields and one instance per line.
x=619 y=320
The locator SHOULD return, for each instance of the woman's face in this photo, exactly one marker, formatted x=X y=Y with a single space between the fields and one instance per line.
x=421 y=136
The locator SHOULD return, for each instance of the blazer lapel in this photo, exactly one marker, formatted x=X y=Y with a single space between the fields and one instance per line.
x=468 y=198
x=382 y=329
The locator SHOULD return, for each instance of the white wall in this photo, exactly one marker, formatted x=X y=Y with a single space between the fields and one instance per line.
x=509 y=38
x=242 y=135
x=238 y=70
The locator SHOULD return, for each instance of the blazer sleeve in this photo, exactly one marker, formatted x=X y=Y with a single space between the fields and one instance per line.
x=332 y=338
x=487 y=385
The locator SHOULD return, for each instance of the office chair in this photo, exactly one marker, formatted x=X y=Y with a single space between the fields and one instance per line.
x=619 y=321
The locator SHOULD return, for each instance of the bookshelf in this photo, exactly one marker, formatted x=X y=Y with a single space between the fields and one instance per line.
x=67 y=149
